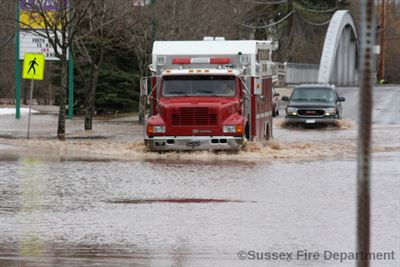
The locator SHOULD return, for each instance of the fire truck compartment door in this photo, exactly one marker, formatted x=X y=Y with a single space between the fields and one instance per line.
x=257 y=86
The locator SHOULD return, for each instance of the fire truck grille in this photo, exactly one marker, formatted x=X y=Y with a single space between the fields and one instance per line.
x=194 y=116
x=311 y=112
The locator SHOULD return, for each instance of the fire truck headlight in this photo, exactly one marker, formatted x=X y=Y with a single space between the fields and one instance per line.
x=155 y=129
x=291 y=111
x=232 y=129
x=158 y=129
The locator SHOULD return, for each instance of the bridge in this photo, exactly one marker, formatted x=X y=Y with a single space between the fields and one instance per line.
x=339 y=59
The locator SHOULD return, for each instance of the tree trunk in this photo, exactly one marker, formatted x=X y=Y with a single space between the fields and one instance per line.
x=25 y=95
x=88 y=101
x=63 y=91
x=88 y=118
x=91 y=89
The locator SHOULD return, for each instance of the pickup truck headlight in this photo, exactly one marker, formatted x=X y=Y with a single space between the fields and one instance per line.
x=155 y=129
x=291 y=111
x=232 y=129
x=330 y=111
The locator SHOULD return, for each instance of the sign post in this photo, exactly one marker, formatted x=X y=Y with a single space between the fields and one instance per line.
x=30 y=109
x=31 y=38
x=17 y=70
x=33 y=70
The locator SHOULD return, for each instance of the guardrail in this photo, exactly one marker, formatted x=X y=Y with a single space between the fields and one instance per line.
x=295 y=73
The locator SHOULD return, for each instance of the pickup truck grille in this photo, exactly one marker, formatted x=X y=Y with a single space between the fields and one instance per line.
x=194 y=116
x=311 y=112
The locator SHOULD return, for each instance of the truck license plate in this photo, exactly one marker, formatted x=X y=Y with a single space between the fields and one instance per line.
x=310 y=121
x=193 y=143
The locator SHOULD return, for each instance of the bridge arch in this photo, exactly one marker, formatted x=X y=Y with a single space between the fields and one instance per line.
x=339 y=59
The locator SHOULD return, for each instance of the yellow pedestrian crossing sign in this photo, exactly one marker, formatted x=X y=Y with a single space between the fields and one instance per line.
x=33 y=67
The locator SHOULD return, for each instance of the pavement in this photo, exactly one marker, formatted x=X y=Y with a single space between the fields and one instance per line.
x=44 y=124
x=125 y=127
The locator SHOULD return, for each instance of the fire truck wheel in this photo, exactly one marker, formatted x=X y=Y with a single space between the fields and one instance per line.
x=267 y=133
x=247 y=131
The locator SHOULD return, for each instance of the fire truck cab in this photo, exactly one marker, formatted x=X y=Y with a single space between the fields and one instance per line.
x=210 y=94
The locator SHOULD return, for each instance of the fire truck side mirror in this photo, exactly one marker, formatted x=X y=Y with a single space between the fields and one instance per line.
x=144 y=86
x=153 y=70
x=143 y=99
x=245 y=90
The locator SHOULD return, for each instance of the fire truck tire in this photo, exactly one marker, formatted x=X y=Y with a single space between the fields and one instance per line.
x=267 y=132
x=247 y=131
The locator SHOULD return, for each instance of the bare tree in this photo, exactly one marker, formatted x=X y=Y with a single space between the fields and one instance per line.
x=7 y=34
x=92 y=39
x=59 y=24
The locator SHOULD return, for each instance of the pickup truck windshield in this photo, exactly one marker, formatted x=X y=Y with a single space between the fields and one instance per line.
x=313 y=95
x=199 y=85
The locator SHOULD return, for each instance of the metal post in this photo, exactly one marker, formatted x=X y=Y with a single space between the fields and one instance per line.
x=30 y=108
x=381 y=75
x=71 y=70
x=70 y=85
x=367 y=39
x=17 y=67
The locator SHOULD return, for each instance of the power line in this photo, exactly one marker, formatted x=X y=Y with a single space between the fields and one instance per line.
x=265 y=26
x=267 y=2
x=315 y=10
x=288 y=15
x=313 y=23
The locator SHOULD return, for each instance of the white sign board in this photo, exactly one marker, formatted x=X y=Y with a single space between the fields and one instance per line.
x=31 y=42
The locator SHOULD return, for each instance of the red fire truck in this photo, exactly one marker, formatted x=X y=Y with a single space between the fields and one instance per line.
x=209 y=94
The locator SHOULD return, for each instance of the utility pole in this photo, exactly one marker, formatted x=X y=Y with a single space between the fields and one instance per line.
x=381 y=74
x=367 y=41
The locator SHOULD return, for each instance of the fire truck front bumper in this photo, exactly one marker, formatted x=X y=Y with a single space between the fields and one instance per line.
x=166 y=143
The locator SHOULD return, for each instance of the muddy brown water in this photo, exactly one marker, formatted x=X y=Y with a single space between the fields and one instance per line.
x=107 y=202
x=188 y=213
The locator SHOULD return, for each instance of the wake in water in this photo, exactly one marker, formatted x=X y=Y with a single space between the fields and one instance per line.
x=251 y=151
x=307 y=144
x=342 y=124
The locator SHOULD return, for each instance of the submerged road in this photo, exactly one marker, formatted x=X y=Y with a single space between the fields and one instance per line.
x=386 y=104
x=57 y=211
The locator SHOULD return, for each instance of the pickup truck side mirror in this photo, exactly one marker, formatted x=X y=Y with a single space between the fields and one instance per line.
x=341 y=99
x=285 y=98
x=276 y=94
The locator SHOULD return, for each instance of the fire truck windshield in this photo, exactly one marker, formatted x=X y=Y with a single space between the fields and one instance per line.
x=199 y=85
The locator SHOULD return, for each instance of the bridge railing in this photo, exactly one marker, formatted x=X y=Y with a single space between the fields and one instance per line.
x=295 y=73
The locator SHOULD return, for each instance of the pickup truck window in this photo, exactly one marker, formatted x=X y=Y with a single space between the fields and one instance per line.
x=199 y=85
x=313 y=95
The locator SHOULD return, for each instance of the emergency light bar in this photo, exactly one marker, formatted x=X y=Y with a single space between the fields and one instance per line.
x=200 y=60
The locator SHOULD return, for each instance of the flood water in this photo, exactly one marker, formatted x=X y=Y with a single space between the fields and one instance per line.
x=108 y=203
x=187 y=213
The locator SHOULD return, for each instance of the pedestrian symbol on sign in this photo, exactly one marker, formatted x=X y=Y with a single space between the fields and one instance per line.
x=33 y=66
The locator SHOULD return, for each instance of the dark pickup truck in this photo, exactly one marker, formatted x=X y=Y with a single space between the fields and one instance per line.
x=313 y=104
